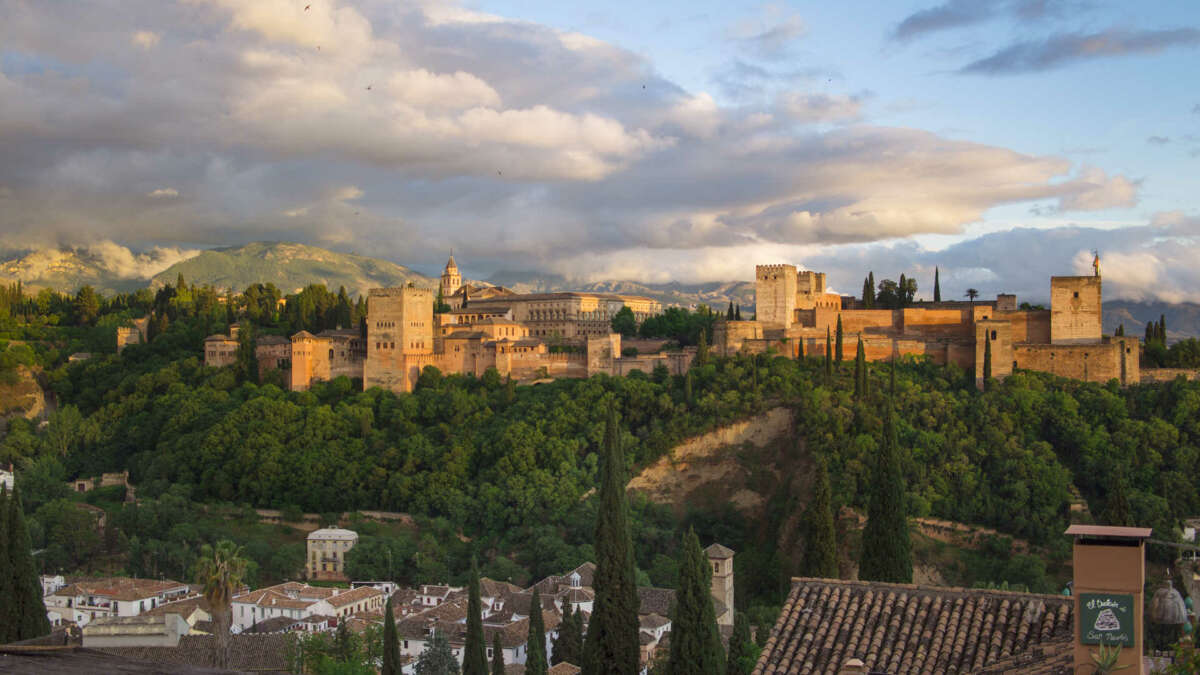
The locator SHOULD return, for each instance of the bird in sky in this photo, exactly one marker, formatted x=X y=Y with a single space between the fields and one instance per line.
x=368 y=87
x=307 y=7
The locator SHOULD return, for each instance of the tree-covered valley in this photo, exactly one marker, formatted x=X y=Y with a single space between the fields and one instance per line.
x=506 y=472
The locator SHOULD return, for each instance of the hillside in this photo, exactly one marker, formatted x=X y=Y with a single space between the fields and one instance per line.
x=67 y=269
x=716 y=294
x=290 y=267
x=1183 y=319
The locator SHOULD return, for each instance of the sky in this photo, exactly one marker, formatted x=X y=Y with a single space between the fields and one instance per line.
x=999 y=140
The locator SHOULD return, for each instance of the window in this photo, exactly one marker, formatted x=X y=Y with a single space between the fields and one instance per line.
x=1077 y=294
x=993 y=335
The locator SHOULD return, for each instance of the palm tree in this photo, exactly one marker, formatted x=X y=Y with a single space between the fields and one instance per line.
x=972 y=294
x=221 y=570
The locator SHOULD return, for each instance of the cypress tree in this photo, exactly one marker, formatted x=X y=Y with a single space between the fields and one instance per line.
x=987 y=360
x=729 y=312
x=741 y=649
x=859 y=370
x=695 y=641
x=8 y=613
x=688 y=395
x=837 y=350
x=535 y=659
x=828 y=357
x=497 y=655
x=800 y=349
x=568 y=646
x=866 y=292
x=1162 y=328
x=871 y=278
x=737 y=313
x=820 y=537
x=1116 y=506
x=937 y=286
x=391 y=643
x=702 y=348
x=26 y=597
x=886 y=549
x=1120 y=330
x=475 y=651
x=612 y=643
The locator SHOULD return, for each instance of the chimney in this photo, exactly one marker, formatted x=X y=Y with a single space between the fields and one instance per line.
x=1110 y=575
x=853 y=667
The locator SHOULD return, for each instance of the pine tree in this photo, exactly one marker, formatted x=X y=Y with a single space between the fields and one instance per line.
x=497 y=655
x=837 y=350
x=859 y=371
x=937 y=286
x=820 y=537
x=26 y=593
x=612 y=646
x=729 y=312
x=8 y=610
x=737 y=313
x=695 y=641
x=987 y=360
x=871 y=278
x=886 y=549
x=741 y=649
x=475 y=652
x=391 y=643
x=828 y=357
x=535 y=654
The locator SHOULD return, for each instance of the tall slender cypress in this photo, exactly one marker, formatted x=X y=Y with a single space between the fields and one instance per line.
x=8 y=610
x=695 y=641
x=611 y=646
x=820 y=537
x=866 y=293
x=535 y=654
x=568 y=645
x=859 y=371
x=497 y=655
x=741 y=649
x=729 y=312
x=737 y=312
x=937 y=286
x=800 y=349
x=475 y=651
x=1162 y=328
x=391 y=643
x=886 y=549
x=837 y=350
x=27 y=588
x=828 y=357
x=871 y=279
x=702 y=348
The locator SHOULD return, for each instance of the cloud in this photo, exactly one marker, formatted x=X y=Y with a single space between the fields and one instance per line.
x=145 y=39
x=953 y=14
x=510 y=140
x=1158 y=140
x=769 y=35
x=1196 y=109
x=1064 y=48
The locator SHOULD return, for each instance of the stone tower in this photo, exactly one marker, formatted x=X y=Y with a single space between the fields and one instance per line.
x=1075 y=310
x=721 y=560
x=775 y=295
x=399 y=334
x=451 y=279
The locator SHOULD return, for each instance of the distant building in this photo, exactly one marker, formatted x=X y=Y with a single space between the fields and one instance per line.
x=7 y=478
x=327 y=549
x=303 y=603
x=135 y=332
x=86 y=599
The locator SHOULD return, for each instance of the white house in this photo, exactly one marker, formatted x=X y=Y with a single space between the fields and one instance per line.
x=7 y=478
x=89 y=599
x=298 y=601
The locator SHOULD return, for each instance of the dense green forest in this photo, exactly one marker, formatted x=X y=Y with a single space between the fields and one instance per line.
x=504 y=472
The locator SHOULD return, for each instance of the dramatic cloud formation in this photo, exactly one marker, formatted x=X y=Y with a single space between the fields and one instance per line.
x=402 y=130
x=1064 y=48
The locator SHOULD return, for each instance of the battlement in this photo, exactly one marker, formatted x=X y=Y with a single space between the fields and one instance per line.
x=397 y=291
x=761 y=271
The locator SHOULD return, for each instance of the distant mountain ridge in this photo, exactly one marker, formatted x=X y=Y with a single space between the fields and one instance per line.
x=290 y=267
x=715 y=294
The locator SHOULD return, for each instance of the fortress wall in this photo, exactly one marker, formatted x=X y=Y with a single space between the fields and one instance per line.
x=1096 y=362
x=856 y=320
x=999 y=334
x=1159 y=375
x=1075 y=310
x=936 y=322
x=1028 y=326
x=728 y=336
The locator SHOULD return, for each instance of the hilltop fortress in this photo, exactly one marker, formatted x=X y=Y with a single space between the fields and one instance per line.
x=523 y=336
x=795 y=311
x=549 y=335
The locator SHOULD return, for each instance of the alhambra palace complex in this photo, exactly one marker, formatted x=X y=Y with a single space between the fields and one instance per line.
x=494 y=327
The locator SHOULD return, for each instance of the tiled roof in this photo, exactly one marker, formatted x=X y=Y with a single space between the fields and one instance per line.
x=264 y=340
x=276 y=624
x=255 y=653
x=183 y=608
x=904 y=628
x=351 y=597
x=121 y=588
x=653 y=621
x=69 y=660
x=655 y=600
x=1051 y=658
x=718 y=551
x=565 y=669
x=332 y=534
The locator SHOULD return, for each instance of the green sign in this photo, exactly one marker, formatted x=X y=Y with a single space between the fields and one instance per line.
x=1106 y=617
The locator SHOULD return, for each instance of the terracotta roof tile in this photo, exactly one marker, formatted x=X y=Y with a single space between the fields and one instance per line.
x=903 y=628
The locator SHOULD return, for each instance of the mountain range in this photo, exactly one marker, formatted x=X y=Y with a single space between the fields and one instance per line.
x=113 y=269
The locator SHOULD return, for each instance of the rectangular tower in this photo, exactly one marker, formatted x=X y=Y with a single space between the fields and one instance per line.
x=775 y=295
x=1074 y=310
x=399 y=327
